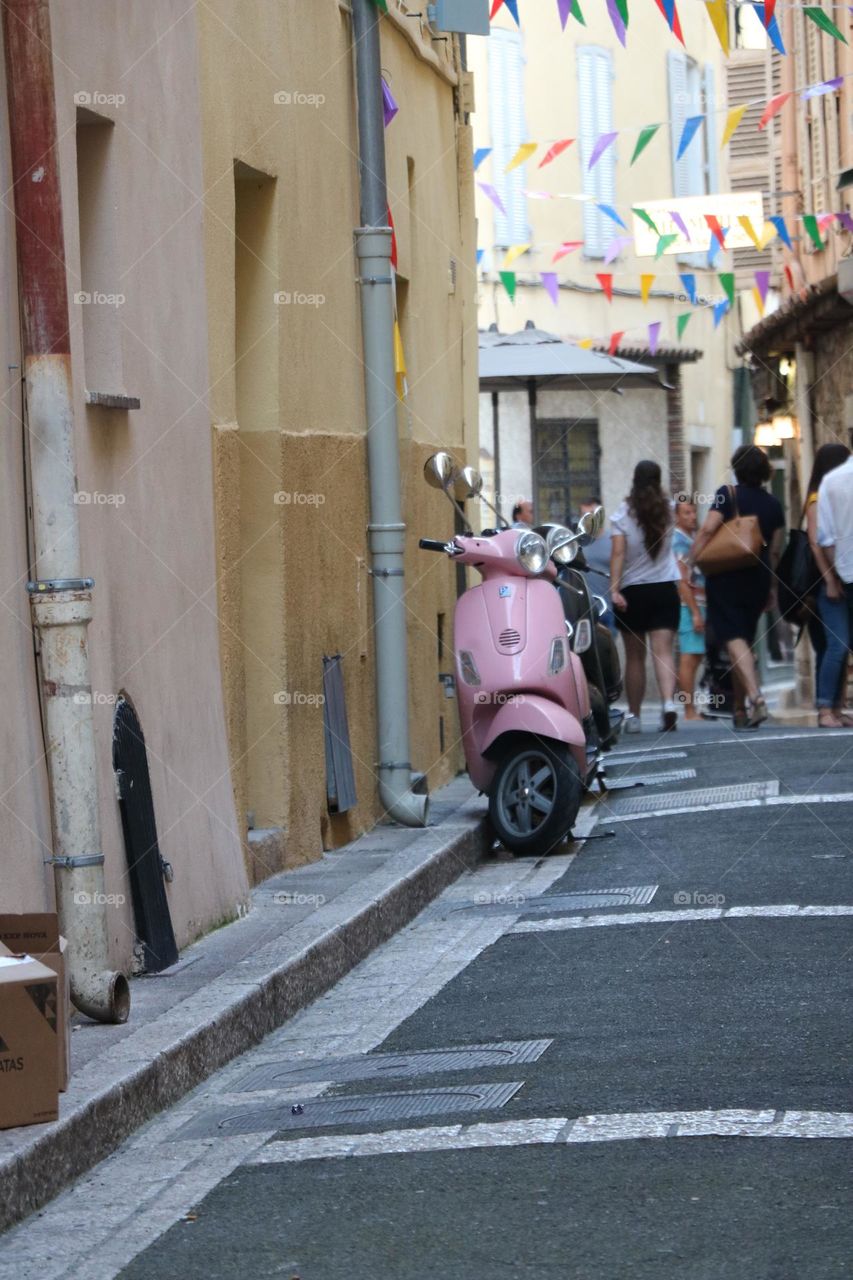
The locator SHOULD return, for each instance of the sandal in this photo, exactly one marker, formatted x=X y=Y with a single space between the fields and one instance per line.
x=827 y=719
x=757 y=712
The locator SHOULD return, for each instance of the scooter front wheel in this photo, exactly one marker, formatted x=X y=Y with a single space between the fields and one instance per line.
x=535 y=796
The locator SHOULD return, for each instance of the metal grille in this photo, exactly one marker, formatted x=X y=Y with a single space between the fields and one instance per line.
x=631 y=896
x=655 y=779
x=379 y=1066
x=368 y=1108
x=509 y=639
x=651 y=757
x=695 y=799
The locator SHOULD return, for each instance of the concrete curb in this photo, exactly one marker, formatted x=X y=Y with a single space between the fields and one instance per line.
x=156 y=1066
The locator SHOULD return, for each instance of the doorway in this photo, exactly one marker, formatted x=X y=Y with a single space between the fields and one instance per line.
x=566 y=467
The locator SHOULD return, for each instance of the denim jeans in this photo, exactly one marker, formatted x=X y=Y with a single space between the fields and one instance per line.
x=832 y=663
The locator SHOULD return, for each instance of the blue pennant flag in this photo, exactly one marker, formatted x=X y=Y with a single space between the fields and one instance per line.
x=688 y=133
x=611 y=213
x=689 y=282
x=779 y=224
x=480 y=253
x=480 y=155
x=512 y=5
x=772 y=30
x=714 y=247
x=720 y=309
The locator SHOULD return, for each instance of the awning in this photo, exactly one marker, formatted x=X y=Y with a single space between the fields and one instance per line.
x=532 y=355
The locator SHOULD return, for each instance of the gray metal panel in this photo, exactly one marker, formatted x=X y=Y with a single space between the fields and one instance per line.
x=370 y=1108
x=379 y=1066
x=637 y=895
x=695 y=799
x=471 y=17
x=340 y=780
x=657 y=779
x=616 y=760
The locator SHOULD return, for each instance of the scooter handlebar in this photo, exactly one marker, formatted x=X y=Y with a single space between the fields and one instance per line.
x=432 y=544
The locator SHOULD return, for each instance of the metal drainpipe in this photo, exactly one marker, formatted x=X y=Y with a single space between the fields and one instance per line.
x=61 y=599
x=386 y=530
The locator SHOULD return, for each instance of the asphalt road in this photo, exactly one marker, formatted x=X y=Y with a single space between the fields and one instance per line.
x=687 y=1114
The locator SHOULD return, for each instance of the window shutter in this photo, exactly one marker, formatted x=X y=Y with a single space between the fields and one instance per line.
x=595 y=111
x=676 y=65
x=508 y=129
x=749 y=78
x=712 y=174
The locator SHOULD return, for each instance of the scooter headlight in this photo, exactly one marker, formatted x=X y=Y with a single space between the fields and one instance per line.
x=531 y=552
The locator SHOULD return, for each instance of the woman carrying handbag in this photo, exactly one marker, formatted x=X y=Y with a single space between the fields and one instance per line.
x=738 y=549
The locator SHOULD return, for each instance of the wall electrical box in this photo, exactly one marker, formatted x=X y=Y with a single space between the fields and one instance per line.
x=469 y=17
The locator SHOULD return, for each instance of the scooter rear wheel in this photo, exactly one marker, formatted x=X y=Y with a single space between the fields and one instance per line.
x=535 y=796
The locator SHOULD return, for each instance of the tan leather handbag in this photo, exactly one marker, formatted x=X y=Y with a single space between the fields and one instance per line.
x=737 y=544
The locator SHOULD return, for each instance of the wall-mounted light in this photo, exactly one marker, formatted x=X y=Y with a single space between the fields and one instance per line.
x=771 y=433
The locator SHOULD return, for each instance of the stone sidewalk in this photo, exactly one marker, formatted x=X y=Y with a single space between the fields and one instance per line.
x=305 y=930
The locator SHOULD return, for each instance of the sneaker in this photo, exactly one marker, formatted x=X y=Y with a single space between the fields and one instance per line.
x=631 y=724
x=669 y=719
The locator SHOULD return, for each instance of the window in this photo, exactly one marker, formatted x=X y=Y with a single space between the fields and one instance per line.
x=566 y=466
x=99 y=296
x=595 y=109
x=508 y=129
x=255 y=282
x=692 y=92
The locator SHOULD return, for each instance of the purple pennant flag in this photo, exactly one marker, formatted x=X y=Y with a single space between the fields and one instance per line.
x=602 y=143
x=565 y=7
x=680 y=223
x=389 y=106
x=762 y=282
x=616 y=19
x=828 y=86
x=491 y=192
x=654 y=337
x=552 y=288
x=846 y=221
x=617 y=244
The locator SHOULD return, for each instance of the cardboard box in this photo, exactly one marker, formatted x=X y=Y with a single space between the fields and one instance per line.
x=36 y=934
x=29 y=1058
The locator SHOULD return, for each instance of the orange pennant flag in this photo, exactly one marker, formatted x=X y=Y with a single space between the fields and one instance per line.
x=646 y=282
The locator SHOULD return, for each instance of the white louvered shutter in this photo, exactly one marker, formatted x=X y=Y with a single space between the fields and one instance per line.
x=508 y=129
x=595 y=112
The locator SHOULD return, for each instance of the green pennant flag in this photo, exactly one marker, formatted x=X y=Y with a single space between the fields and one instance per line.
x=727 y=280
x=381 y=5
x=681 y=323
x=647 y=218
x=646 y=135
x=823 y=21
x=622 y=6
x=508 y=281
x=663 y=244
x=810 y=224
x=575 y=12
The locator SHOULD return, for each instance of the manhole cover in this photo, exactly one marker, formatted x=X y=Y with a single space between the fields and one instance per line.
x=694 y=799
x=516 y=904
x=650 y=757
x=379 y=1066
x=651 y=779
x=375 y=1108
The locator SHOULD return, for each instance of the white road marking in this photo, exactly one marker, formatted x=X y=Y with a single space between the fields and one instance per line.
x=685 y=915
x=556 y=1130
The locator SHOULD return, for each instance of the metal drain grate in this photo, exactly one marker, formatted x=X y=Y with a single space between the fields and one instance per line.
x=637 y=895
x=375 y=1108
x=695 y=799
x=654 y=779
x=380 y=1066
x=651 y=757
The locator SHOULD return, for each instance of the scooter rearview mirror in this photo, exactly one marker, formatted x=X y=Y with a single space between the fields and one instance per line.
x=599 y=518
x=439 y=470
x=466 y=482
x=562 y=544
x=586 y=528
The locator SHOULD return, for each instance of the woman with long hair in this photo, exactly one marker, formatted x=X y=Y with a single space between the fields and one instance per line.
x=827 y=621
x=643 y=577
x=737 y=598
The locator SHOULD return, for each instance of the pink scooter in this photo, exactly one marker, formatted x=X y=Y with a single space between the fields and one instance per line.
x=523 y=700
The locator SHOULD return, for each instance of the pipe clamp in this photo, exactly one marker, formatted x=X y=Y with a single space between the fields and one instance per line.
x=82 y=860
x=60 y=584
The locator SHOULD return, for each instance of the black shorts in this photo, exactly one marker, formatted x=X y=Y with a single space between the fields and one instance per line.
x=652 y=606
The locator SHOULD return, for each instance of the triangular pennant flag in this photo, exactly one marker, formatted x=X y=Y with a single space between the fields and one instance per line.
x=654 y=337
x=669 y=11
x=570 y=9
x=622 y=6
x=524 y=152
x=381 y=5
x=680 y=223
x=769 y=10
x=663 y=244
x=551 y=284
x=646 y=135
x=614 y=9
x=715 y=248
x=512 y=5
x=492 y=193
x=647 y=218
x=720 y=309
x=689 y=282
x=770 y=25
x=824 y=220
x=611 y=213
x=688 y=133
x=646 y=282
x=681 y=323
x=768 y=233
x=495 y=6
x=389 y=105
x=615 y=339
x=823 y=21
x=782 y=230
x=606 y=282
x=789 y=276
x=718 y=13
x=846 y=221
x=480 y=253
x=733 y=119
x=617 y=244
x=746 y=223
x=513 y=253
x=508 y=282
x=810 y=224
x=567 y=247
x=774 y=105
x=758 y=300
x=480 y=155
x=762 y=283
x=399 y=361
x=602 y=143
x=727 y=280
x=394 y=258
x=818 y=90
x=557 y=150
x=585 y=343
x=716 y=230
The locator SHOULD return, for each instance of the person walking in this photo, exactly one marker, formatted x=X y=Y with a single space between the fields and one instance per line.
x=691 y=590
x=522 y=514
x=597 y=556
x=643 y=577
x=737 y=598
x=827 y=621
x=835 y=533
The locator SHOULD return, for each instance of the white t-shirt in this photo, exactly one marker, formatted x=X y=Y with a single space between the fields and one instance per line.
x=639 y=566
x=835 y=517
